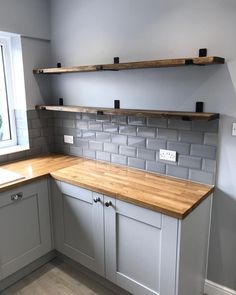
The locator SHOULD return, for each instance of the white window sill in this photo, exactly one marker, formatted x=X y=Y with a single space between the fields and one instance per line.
x=13 y=149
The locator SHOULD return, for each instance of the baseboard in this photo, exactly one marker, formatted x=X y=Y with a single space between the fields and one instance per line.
x=212 y=288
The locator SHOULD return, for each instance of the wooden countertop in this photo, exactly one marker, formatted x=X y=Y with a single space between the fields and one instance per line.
x=164 y=194
x=35 y=168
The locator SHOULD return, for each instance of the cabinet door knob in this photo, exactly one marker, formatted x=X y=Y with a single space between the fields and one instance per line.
x=17 y=197
x=97 y=199
x=108 y=203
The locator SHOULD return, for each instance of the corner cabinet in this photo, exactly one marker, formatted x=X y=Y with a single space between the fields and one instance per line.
x=25 y=226
x=142 y=251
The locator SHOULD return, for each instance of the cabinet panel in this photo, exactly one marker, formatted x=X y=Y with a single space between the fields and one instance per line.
x=22 y=220
x=24 y=226
x=140 y=249
x=78 y=224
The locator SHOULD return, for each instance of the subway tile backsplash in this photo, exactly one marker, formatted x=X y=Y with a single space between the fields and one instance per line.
x=135 y=142
x=130 y=141
x=40 y=133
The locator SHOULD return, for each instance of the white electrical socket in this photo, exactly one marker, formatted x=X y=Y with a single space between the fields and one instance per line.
x=167 y=155
x=68 y=139
x=234 y=129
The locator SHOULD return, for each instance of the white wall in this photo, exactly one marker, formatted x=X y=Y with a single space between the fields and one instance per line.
x=30 y=19
x=93 y=32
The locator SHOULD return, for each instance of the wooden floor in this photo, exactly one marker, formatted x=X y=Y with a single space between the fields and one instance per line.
x=57 y=278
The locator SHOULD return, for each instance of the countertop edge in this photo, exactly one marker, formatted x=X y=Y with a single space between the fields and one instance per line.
x=132 y=201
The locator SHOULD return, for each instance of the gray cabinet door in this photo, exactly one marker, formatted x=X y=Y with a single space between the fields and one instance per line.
x=141 y=249
x=79 y=225
x=25 y=232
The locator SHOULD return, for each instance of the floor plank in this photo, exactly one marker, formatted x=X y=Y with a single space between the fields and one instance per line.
x=57 y=278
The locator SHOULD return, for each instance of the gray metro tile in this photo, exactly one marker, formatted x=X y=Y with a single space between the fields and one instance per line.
x=201 y=176
x=68 y=123
x=209 y=165
x=89 y=154
x=83 y=125
x=136 y=163
x=206 y=126
x=126 y=129
x=95 y=126
x=119 y=119
x=104 y=137
x=111 y=147
x=146 y=131
x=179 y=124
x=179 y=147
x=120 y=139
x=119 y=159
x=190 y=162
x=136 y=141
x=103 y=156
x=204 y=151
x=167 y=134
x=133 y=120
x=156 y=167
x=156 y=144
x=190 y=136
x=176 y=171
x=146 y=154
x=211 y=139
x=110 y=127
x=127 y=151
x=95 y=145
x=157 y=122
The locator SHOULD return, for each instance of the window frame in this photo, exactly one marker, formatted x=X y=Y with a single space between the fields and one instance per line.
x=5 y=43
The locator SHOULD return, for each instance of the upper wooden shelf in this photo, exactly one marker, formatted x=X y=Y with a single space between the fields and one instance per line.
x=209 y=60
x=188 y=116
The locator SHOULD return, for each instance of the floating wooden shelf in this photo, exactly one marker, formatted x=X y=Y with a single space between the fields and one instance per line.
x=188 y=116
x=209 y=60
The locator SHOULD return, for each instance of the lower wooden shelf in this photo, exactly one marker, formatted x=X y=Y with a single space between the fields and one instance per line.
x=187 y=116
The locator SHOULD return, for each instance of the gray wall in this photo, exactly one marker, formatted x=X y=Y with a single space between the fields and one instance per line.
x=30 y=19
x=93 y=32
x=26 y=17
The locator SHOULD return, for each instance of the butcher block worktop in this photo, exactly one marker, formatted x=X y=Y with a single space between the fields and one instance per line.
x=164 y=194
x=36 y=168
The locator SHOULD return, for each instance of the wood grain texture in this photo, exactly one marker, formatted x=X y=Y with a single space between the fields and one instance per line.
x=36 y=168
x=168 y=195
x=188 y=116
x=164 y=194
x=209 y=60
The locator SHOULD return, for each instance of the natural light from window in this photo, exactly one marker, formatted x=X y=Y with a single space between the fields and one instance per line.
x=5 y=133
x=12 y=95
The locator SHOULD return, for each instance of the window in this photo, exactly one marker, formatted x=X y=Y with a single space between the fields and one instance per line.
x=7 y=116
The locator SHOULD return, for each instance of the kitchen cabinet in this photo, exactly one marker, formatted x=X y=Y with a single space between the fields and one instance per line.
x=78 y=225
x=140 y=248
x=143 y=251
x=25 y=226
